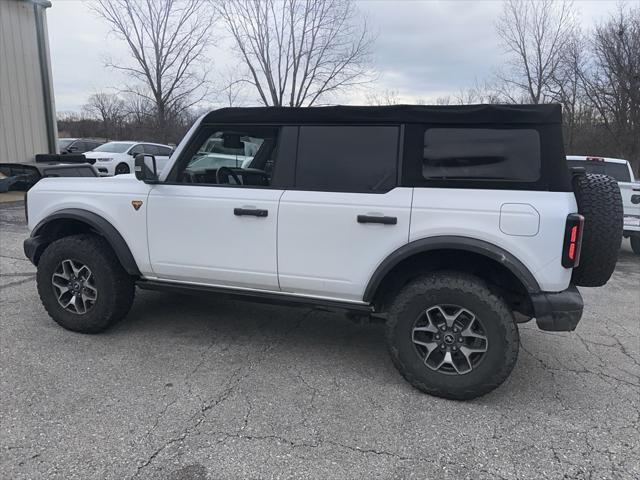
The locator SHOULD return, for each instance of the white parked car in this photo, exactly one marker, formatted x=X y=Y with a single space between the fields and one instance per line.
x=629 y=189
x=116 y=158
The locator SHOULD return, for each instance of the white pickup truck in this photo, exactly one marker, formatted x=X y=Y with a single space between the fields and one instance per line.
x=629 y=189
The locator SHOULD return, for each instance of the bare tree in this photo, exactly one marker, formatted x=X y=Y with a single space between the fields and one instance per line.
x=612 y=82
x=109 y=109
x=566 y=86
x=231 y=94
x=298 y=51
x=167 y=40
x=479 y=93
x=533 y=33
x=139 y=109
x=385 y=98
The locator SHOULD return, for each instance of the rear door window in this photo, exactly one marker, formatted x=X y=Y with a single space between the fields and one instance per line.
x=151 y=149
x=347 y=158
x=619 y=171
x=481 y=154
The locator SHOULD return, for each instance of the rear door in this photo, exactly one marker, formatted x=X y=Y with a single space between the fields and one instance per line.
x=345 y=214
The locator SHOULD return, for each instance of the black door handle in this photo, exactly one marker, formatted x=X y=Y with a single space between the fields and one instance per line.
x=256 y=212
x=377 y=219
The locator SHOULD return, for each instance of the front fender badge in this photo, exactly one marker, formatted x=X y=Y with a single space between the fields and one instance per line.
x=136 y=204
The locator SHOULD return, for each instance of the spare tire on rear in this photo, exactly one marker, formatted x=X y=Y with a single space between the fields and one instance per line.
x=600 y=202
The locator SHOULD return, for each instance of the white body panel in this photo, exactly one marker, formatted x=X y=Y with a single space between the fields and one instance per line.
x=110 y=198
x=310 y=243
x=324 y=251
x=194 y=235
x=476 y=214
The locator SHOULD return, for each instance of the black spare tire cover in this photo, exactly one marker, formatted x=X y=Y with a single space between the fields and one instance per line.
x=599 y=201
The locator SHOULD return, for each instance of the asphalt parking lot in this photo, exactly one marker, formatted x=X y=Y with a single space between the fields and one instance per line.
x=204 y=388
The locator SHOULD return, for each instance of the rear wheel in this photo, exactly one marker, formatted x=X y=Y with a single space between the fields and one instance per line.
x=122 y=168
x=450 y=336
x=635 y=244
x=82 y=285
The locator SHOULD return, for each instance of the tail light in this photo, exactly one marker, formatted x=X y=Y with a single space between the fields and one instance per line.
x=572 y=240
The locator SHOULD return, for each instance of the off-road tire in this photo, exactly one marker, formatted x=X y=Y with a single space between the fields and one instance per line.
x=470 y=293
x=599 y=201
x=635 y=244
x=115 y=287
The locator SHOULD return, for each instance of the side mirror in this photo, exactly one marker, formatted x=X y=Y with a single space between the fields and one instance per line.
x=72 y=149
x=145 y=168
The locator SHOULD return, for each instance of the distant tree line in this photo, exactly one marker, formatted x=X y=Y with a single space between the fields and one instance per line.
x=111 y=116
x=306 y=52
x=594 y=74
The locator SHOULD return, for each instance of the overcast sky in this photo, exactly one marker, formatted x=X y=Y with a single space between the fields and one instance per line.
x=423 y=50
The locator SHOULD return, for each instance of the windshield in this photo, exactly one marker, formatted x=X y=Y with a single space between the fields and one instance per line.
x=64 y=142
x=619 y=171
x=215 y=161
x=113 y=147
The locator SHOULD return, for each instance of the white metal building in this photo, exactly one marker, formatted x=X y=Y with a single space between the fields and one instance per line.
x=27 y=111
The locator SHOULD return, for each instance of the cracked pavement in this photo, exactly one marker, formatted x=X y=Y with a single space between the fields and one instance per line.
x=193 y=388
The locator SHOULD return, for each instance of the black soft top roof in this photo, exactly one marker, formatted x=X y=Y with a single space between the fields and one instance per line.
x=447 y=114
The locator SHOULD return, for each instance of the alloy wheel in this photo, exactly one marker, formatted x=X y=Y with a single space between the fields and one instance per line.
x=450 y=339
x=74 y=285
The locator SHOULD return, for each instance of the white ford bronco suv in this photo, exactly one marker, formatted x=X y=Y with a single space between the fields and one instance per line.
x=451 y=224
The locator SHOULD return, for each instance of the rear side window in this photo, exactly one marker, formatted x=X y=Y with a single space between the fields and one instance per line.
x=157 y=150
x=481 y=154
x=150 y=149
x=347 y=158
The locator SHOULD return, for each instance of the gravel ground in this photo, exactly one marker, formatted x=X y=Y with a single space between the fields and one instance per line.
x=197 y=388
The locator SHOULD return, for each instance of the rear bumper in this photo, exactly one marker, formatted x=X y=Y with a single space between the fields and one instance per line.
x=558 y=312
x=631 y=224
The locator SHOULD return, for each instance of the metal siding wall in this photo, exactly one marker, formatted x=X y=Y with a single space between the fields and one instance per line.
x=23 y=130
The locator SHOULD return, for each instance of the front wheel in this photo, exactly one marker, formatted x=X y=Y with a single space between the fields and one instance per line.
x=82 y=285
x=122 y=168
x=451 y=337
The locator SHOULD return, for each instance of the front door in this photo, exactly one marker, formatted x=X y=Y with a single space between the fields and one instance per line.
x=214 y=222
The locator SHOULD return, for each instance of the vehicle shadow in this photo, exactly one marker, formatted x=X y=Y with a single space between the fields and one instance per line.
x=320 y=342
x=210 y=321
